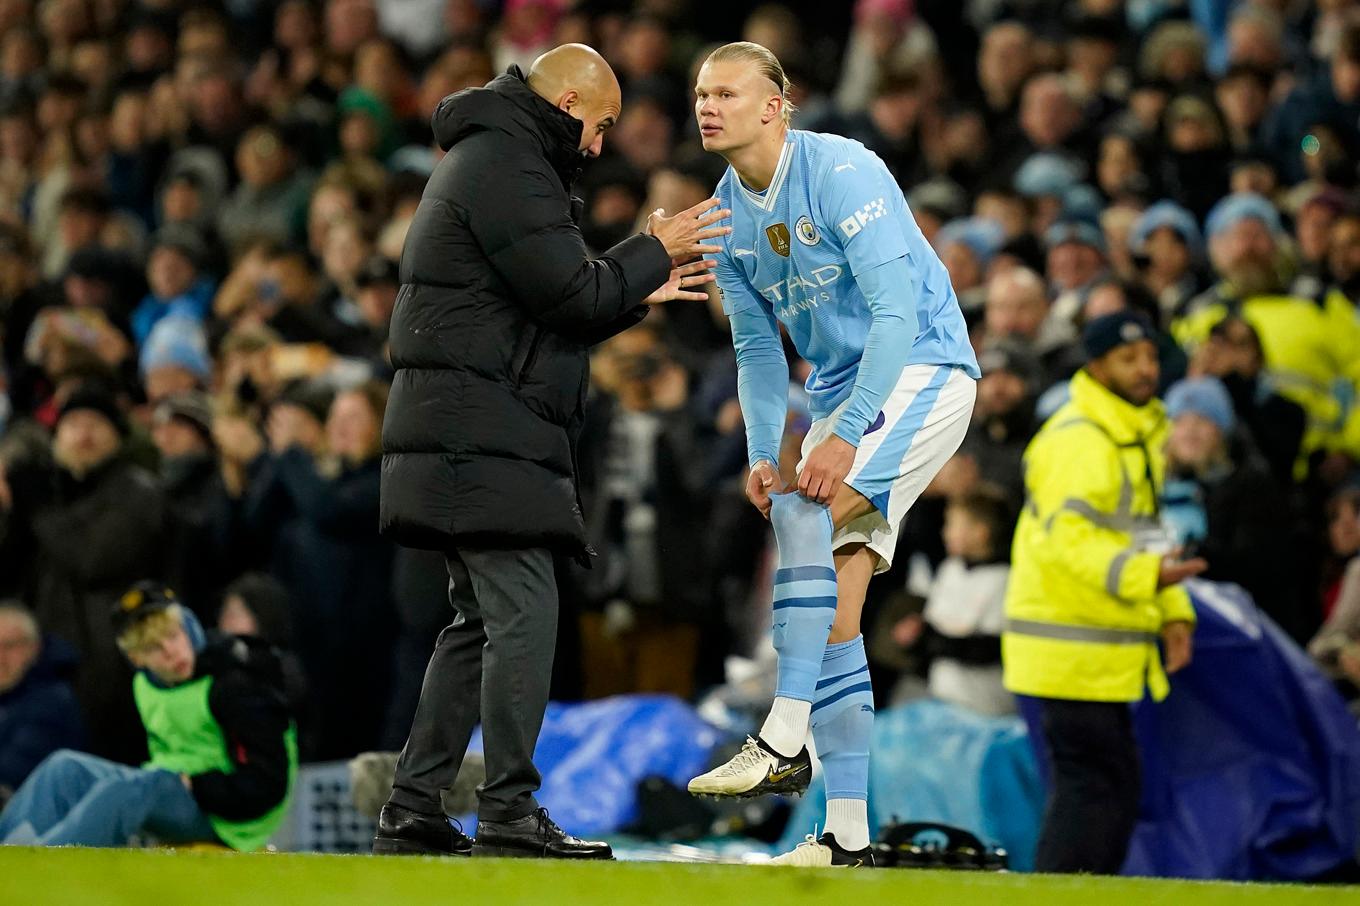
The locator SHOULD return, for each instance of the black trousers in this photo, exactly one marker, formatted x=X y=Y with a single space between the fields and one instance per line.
x=1096 y=787
x=493 y=664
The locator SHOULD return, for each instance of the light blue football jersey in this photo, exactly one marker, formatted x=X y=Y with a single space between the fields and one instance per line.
x=832 y=212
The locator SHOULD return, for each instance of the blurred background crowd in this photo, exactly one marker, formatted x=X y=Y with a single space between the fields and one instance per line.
x=202 y=206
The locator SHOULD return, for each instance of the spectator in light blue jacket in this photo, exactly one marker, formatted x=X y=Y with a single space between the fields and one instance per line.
x=177 y=287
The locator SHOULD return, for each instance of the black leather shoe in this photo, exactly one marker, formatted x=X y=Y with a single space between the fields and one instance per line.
x=402 y=832
x=535 y=836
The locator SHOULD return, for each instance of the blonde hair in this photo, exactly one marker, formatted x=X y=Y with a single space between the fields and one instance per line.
x=766 y=63
x=151 y=630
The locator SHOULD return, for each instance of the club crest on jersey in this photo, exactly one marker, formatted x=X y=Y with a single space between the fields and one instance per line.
x=779 y=239
x=806 y=232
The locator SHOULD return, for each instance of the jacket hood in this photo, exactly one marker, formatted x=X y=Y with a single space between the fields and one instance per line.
x=508 y=105
x=1125 y=422
x=224 y=653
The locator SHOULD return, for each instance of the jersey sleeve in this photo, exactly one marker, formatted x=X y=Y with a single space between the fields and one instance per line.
x=735 y=290
x=762 y=370
x=892 y=290
x=860 y=202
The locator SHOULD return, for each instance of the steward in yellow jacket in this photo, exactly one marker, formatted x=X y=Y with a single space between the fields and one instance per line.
x=1092 y=590
x=1311 y=345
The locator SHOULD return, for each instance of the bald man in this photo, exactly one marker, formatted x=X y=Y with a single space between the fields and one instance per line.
x=498 y=307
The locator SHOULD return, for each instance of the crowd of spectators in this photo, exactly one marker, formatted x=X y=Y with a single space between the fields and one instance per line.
x=202 y=209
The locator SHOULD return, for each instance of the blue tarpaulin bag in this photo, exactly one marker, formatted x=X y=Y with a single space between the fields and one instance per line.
x=592 y=756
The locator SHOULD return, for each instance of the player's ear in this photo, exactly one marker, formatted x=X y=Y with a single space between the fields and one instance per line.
x=570 y=98
x=773 y=107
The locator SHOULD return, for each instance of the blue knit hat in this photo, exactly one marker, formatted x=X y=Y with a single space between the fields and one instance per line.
x=1048 y=173
x=177 y=340
x=983 y=237
x=1166 y=214
x=1238 y=207
x=1204 y=396
x=1081 y=231
x=1114 y=330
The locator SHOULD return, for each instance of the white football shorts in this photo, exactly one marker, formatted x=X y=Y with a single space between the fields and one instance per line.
x=920 y=427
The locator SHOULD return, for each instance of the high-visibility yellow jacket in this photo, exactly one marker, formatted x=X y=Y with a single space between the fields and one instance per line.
x=1083 y=613
x=1310 y=352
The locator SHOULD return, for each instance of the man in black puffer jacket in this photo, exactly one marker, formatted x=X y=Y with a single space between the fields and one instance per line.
x=498 y=307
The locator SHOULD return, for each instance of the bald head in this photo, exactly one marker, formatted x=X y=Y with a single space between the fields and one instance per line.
x=576 y=79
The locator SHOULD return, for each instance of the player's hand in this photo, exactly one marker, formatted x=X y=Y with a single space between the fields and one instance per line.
x=696 y=273
x=1174 y=570
x=763 y=481
x=1176 y=640
x=825 y=469
x=683 y=234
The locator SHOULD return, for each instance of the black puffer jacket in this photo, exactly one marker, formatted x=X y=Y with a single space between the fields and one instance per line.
x=497 y=309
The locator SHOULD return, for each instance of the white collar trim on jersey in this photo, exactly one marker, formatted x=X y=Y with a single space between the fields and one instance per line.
x=766 y=202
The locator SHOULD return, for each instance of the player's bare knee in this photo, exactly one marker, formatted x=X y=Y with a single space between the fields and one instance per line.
x=849 y=505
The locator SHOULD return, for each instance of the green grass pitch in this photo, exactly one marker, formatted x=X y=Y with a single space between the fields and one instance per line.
x=31 y=877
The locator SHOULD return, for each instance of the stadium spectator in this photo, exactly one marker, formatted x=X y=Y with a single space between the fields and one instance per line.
x=967 y=247
x=198 y=507
x=1003 y=417
x=80 y=527
x=1018 y=308
x=1306 y=357
x=1166 y=240
x=1220 y=500
x=256 y=605
x=38 y=711
x=642 y=491
x=1233 y=354
x=1337 y=644
x=965 y=609
x=311 y=503
x=222 y=744
x=1331 y=98
x=172 y=273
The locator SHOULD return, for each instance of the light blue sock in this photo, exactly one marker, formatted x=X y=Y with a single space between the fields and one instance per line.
x=804 y=592
x=843 y=719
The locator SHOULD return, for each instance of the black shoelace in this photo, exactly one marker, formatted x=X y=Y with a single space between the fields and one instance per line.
x=546 y=826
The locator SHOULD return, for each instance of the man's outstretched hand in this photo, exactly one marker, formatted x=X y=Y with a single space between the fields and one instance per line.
x=678 y=287
x=684 y=235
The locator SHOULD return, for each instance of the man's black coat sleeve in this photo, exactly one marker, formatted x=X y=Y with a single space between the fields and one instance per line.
x=522 y=221
x=254 y=718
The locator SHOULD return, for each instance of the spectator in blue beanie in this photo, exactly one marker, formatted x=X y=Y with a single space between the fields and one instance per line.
x=1045 y=178
x=1220 y=500
x=1076 y=254
x=1166 y=245
x=175 y=359
x=967 y=247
